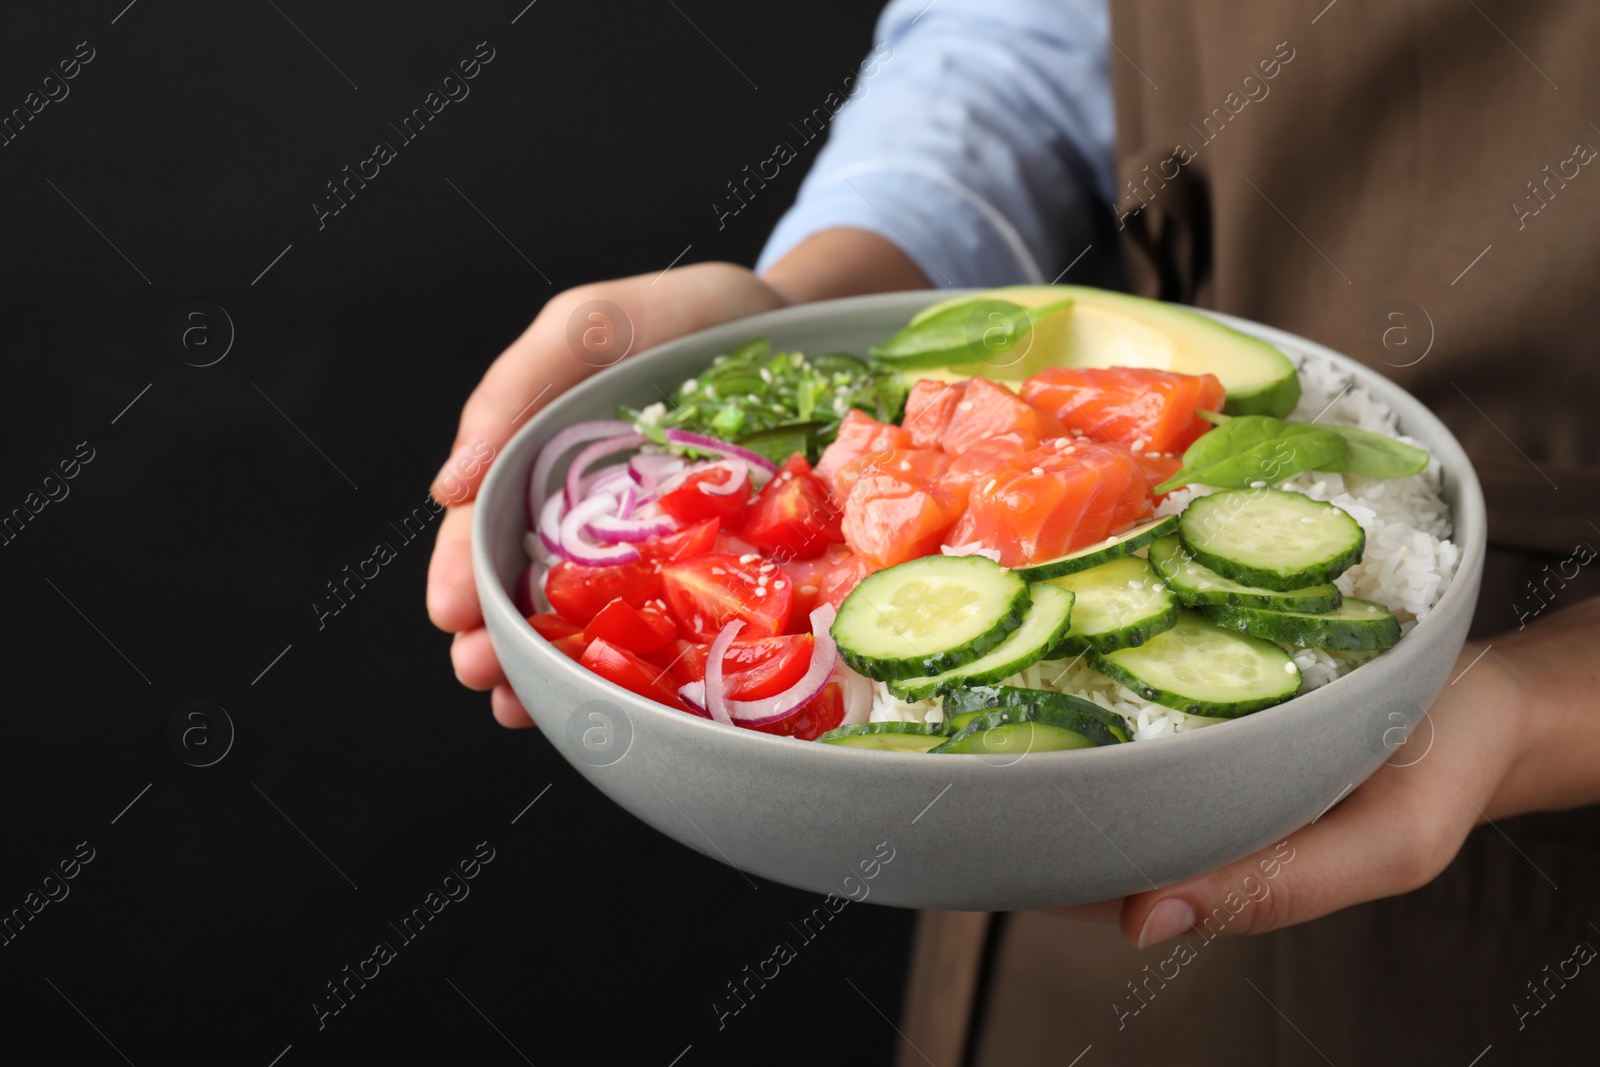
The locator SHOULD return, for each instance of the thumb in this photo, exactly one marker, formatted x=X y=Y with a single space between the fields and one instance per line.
x=579 y=332
x=1394 y=834
x=534 y=370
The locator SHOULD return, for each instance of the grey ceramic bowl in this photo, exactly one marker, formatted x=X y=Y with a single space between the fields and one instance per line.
x=961 y=832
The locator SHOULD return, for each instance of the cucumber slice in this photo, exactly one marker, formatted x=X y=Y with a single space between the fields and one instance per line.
x=889 y=736
x=1104 y=552
x=1202 y=669
x=928 y=615
x=964 y=719
x=1199 y=586
x=964 y=706
x=1017 y=731
x=1270 y=538
x=1121 y=604
x=1042 y=629
x=1354 y=626
x=1000 y=733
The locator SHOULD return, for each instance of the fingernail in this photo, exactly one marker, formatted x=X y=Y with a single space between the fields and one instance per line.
x=1168 y=919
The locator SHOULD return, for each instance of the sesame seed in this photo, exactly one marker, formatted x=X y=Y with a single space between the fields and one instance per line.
x=749 y=557
x=1290 y=668
x=760 y=591
x=1038 y=470
x=964 y=405
x=990 y=487
x=718 y=570
x=779 y=584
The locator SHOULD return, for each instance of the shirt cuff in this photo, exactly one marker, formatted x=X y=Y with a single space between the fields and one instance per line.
x=957 y=238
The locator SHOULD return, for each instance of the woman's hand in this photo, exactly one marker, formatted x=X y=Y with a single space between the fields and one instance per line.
x=1395 y=833
x=584 y=330
x=1514 y=732
x=577 y=333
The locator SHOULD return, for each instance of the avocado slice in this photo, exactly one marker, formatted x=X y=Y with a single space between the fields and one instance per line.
x=1109 y=329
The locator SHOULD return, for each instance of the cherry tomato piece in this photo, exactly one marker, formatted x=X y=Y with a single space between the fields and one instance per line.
x=686 y=543
x=631 y=673
x=639 y=630
x=578 y=592
x=794 y=516
x=572 y=646
x=752 y=670
x=553 y=627
x=814 y=718
x=696 y=498
x=708 y=592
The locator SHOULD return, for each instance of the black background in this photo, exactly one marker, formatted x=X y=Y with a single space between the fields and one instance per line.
x=188 y=551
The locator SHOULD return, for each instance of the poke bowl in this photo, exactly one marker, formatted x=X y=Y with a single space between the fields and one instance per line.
x=984 y=601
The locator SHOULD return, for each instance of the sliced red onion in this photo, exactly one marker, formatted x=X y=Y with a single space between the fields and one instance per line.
x=550 y=522
x=576 y=434
x=535 y=547
x=727 y=487
x=581 y=462
x=610 y=480
x=723 y=448
x=627 y=501
x=650 y=469
x=609 y=529
x=737 y=481
x=575 y=548
x=857 y=692
x=712 y=693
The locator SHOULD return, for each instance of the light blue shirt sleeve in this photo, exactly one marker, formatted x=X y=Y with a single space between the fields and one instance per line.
x=979 y=138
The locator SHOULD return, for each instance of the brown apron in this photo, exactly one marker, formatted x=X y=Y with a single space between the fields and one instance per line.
x=1408 y=182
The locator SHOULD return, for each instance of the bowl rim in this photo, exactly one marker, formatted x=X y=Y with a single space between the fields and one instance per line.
x=1468 y=515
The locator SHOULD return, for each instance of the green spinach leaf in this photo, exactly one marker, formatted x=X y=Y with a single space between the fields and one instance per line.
x=1375 y=455
x=1256 y=448
x=966 y=333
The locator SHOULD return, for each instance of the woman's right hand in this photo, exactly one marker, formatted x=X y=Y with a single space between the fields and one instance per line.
x=577 y=333
x=592 y=327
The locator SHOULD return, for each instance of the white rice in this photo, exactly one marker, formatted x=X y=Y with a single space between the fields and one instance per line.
x=1408 y=564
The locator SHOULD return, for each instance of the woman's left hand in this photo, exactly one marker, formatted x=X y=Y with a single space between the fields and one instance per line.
x=1395 y=833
